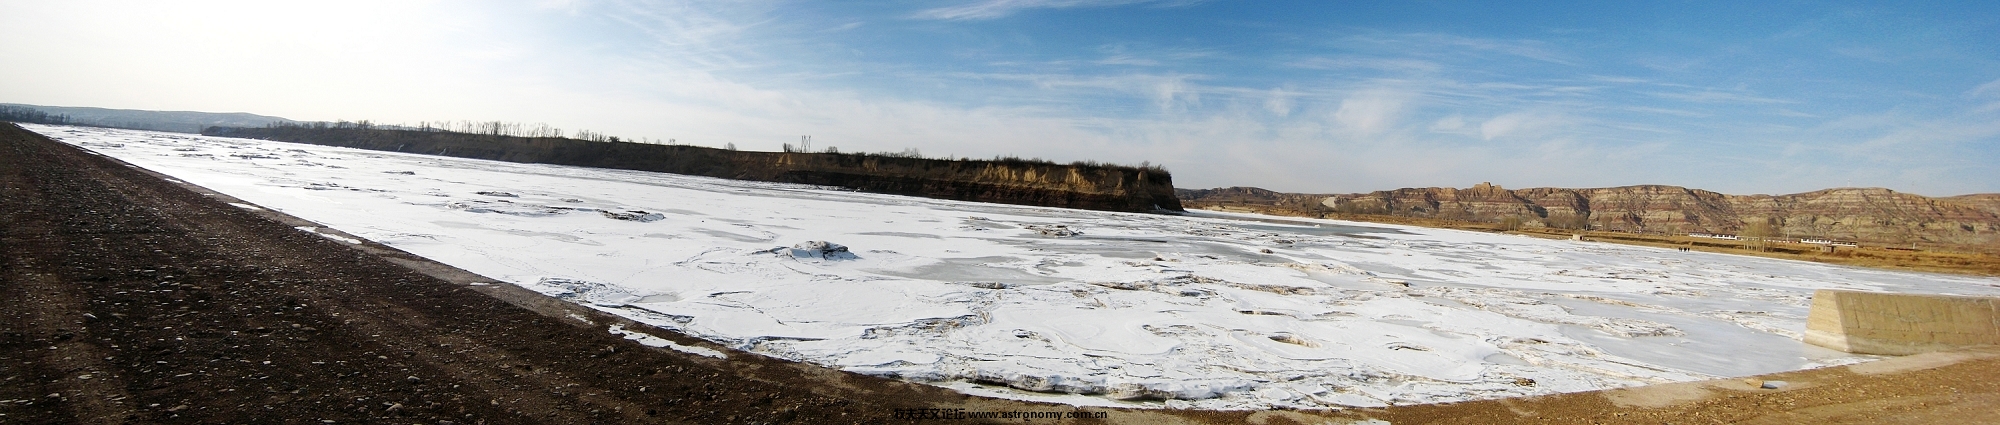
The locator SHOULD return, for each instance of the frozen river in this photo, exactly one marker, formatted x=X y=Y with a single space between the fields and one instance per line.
x=1206 y=310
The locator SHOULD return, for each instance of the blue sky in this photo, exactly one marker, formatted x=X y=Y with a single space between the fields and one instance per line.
x=1318 y=96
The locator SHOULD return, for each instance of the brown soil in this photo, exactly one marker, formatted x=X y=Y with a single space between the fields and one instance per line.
x=125 y=298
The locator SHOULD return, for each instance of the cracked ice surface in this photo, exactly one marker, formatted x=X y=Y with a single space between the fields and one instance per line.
x=1073 y=306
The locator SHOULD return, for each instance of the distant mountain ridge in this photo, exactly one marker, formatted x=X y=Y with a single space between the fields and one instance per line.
x=173 y=121
x=1868 y=215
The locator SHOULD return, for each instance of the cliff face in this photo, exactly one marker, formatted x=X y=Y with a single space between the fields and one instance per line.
x=1250 y=195
x=1990 y=202
x=1869 y=215
x=1111 y=188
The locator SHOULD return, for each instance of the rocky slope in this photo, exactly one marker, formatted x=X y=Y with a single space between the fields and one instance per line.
x=1985 y=201
x=1086 y=186
x=1868 y=215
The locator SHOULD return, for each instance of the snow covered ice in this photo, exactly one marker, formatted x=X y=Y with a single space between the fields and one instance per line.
x=1207 y=310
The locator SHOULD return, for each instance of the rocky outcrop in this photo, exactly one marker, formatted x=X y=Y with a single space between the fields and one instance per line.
x=1985 y=201
x=1868 y=215
x=1081 y=185
x=1250 y=196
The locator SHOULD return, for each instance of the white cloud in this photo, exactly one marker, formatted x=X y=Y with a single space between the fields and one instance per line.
x=570 y=6
x=693 y=34
x=1370 y=112
x=1520 y=124
x=1454 y=123
x=1168 y=92
x=1279 y=102
x=995 y=9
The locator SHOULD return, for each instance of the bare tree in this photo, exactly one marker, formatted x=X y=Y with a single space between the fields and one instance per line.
x=1759 y=233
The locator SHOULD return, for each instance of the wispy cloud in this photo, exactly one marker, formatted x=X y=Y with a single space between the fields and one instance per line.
x=1521 y=124
x=1453 y=124
x=995 y=9
x=1168 y=92
x=1125 y=55
x=1712 y=96
x=1666 y=111
x=1371 y=112
x=1354 y=62
x=570 y=6
x=1437 y=43
x=1280 y=102
x=1794 y=114
x=1126 y=60
x=1618 y=79
x=691 y=33
x=1990 y=88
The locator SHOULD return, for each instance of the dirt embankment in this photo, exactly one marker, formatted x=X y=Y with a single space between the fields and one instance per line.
x=1097 y=187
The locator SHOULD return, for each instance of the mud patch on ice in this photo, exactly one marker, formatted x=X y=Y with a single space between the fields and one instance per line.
x=633 y=215
x=732 y=235
x=516 y=232
x=585 y=292
x=1005 y=270
x=508 y=208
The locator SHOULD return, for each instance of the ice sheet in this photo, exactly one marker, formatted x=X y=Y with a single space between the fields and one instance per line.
x=1077 y=306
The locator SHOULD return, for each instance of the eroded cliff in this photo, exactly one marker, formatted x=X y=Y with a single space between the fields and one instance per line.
x=1086 y=186
x=1869 y=215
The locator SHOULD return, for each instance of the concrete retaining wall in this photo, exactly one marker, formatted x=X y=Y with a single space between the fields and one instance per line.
x=1901 y=324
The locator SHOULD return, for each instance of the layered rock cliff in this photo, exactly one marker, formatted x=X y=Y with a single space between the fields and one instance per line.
x=1985 y=201
x=1868 y=215
x=1087 y=186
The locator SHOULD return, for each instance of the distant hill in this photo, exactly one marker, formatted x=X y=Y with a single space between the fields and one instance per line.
x=1086 y=185
x=174 y=121
x=1868 y=215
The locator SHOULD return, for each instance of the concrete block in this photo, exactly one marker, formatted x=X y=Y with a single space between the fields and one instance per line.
x=1901 y=324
